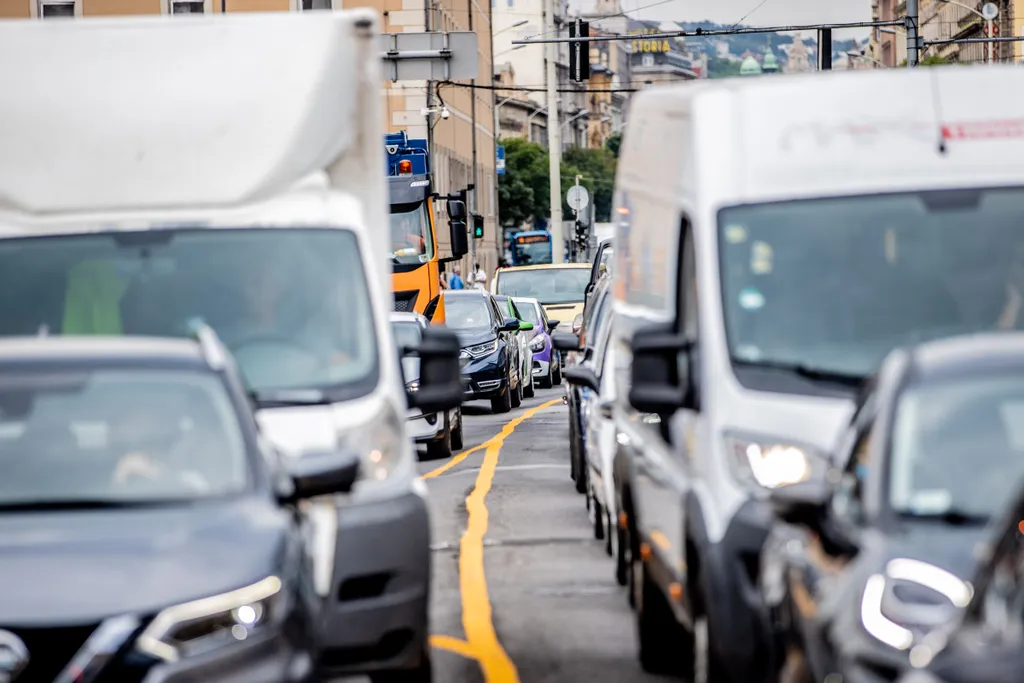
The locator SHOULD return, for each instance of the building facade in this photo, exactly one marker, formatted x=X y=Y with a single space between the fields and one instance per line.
x=407 y=104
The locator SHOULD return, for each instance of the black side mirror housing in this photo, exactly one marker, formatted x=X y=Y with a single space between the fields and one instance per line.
x=509 y=325
x=322 y=474
x=457 y=219
x=660 y=382
x=566 y=341
x=582 y=376
x=441 y=385
x=804 y=503
x=552 y=324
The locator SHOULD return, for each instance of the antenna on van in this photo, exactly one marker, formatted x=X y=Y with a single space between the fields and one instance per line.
x=937 y=103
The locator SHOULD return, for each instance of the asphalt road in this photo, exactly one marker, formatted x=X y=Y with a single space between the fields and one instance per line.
x=521 y=589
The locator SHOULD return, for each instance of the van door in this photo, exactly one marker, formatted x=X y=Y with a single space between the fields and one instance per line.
x=595 y=270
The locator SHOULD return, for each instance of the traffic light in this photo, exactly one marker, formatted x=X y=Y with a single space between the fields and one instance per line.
x=579 y=51
x=478 y=226
x=581 y=231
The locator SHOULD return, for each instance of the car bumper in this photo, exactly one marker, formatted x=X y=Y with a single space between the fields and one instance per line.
x=541 y=367
x=270 y=658
x=419 y=427
x=376 y=614
x=486 y=382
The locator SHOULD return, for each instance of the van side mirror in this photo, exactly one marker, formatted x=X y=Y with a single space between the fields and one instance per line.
x=441 y=387
x=660 y=382
x=566 y=341
x=457 y=227
x=804 y=503
x=582 y=376
x=321 y=474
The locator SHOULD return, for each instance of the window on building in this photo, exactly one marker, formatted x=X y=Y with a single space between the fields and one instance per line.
x=51 y=9
x=188 y=7
x=316 y=4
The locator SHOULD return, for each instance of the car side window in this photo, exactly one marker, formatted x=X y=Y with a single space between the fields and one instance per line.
x=496 y=312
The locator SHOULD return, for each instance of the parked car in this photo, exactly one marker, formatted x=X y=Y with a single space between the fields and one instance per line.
x=888 y=540
x=441 y=432
x=547 y=367
x=490 y=347
x=984 y=644
x=525 y=335
x=582 y=346
x=166 y=542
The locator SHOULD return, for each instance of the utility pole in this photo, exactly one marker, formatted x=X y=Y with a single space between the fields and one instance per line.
x=554 y=141
x=474 y=184
x=576 y=221
x=825 y=49
x=913 y=39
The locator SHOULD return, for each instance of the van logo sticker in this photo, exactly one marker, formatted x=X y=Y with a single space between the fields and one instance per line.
x=751 y=299
x=736 y=234
x=761 y=258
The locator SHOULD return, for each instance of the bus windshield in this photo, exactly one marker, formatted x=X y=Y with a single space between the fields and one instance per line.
x=531 y=250
x=411 y=241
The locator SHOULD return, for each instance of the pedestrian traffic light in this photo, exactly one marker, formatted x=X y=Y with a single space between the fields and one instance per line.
x=478 y=226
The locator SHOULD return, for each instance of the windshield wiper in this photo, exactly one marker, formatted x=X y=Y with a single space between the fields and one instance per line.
x=805 y=371
x=290 y=397
x=951 y=516
x=85 y=504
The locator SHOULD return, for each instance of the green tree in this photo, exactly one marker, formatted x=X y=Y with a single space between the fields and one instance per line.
x=524 y=191
x=613 y=144
x=597 y=170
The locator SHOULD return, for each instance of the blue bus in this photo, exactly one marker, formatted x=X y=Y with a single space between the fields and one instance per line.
x=531 y=248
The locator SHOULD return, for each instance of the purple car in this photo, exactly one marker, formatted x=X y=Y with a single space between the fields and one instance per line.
x=547 y=366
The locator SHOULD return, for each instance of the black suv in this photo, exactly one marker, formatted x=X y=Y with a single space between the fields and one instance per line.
x=148 y=532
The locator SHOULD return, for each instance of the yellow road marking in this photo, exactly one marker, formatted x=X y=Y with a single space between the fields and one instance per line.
x=477 y=620
x=453 y=461
x=454 y=645
x=661 y=540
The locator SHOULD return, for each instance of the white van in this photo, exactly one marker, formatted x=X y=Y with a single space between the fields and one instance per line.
x=777 y=236
x=228 y=169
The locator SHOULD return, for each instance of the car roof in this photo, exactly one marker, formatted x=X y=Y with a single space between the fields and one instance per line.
x=968 y=354
x=526 y=300
x=407 y=317
x=116 y=351
x=547 y=266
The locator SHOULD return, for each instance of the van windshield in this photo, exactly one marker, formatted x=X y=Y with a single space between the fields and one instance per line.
x=291 y=304
x=832 y=285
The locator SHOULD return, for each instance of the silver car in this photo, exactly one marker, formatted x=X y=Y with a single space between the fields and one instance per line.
x=441 y=432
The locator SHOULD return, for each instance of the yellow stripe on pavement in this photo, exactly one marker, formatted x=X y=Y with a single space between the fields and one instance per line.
x=454 y=645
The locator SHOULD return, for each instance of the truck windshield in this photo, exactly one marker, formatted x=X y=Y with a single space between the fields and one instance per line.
x=835 y=284
x=292 y=304
x=411 y=241
x=116 y=435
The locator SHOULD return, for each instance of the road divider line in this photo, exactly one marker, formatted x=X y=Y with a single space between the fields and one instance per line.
x=477 y=613
x=453 y=461
x=453 y=645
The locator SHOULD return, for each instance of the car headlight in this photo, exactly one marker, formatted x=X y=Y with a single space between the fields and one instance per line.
x=482 y=350
x=538 y=343
x=387 y=460
x=911 y=599
x=413 y=386
x=771 y=464
x=209 y=623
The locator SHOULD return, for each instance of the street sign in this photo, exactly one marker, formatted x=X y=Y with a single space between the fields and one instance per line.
x=577 y=197
x=430 y=56
x=500 y=164
x=990 y=11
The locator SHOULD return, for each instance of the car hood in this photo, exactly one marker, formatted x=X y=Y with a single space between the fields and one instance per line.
x=564 y=313
x=473 y=337
x=74 y=567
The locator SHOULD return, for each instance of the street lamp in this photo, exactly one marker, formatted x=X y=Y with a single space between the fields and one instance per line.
x=579 y=114
x=522 y=22
x=989 y=13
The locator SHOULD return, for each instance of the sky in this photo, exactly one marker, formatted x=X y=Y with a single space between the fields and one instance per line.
x=770 y=12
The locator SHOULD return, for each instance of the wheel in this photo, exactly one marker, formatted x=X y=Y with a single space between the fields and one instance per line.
x=573 y=441
x=529 y=391
x=441 y=448
x=547 y=382
x=707 y=666
x=610 y=536
x=457 y=433
x=517 y=395
x=556 y=377
x=665 y=646
x=503 y=403
x=598 y=513
x=621 y=556
x=581 y=468
x=424 y=673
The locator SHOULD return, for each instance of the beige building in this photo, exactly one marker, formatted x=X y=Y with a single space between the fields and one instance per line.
x=519 y=116
x=471 y=112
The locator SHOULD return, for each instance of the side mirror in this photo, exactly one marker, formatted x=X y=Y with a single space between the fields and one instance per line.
x=577 y=324
x=322 y=474
x=457 y=227
x=582 y=376
x=552 y=324
x=509 y=325
x=441 y=384
x=660 y=382
x=804 y=503
x=566 y=341
x=525 y=326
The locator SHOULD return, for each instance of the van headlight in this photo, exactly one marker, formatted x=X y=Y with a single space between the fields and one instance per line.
x=203 y=625
x=771 y=464
x=385 y=455
x=909 y=600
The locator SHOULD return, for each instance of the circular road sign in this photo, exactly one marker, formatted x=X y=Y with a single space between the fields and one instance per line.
x=577 y=197
x=990 y=11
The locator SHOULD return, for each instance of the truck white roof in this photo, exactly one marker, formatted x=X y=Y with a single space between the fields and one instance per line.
x=858 y=132
x=156 y=113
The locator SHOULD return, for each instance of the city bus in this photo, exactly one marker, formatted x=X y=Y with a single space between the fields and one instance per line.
x=531 y=248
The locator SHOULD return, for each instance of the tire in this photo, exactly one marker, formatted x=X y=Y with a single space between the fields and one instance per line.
x=581 y=467
x=556 y=376
x=611 y=537
x=424 y=673
x=621 y=556
x=529 y=391
x=441 y=448
x=503 y=403
x=457 y=444
x=706 y=666
x=665 y=647
x=573 y=440
x=598 y=513
x=547 y=382
x=517 y=395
